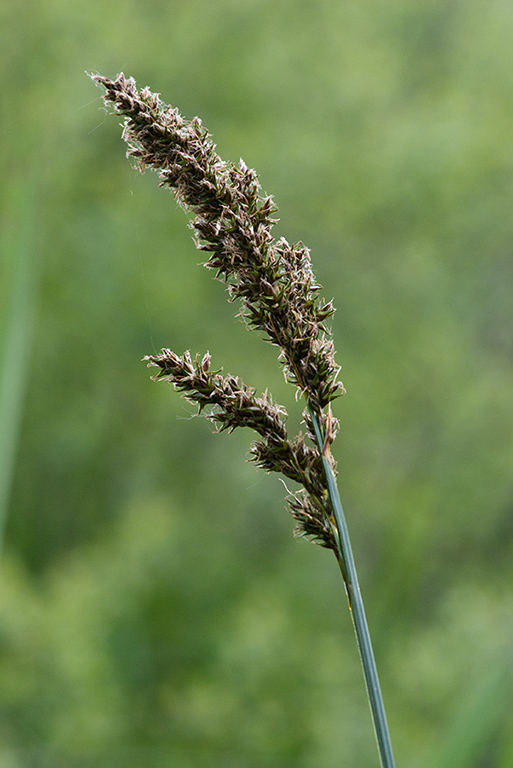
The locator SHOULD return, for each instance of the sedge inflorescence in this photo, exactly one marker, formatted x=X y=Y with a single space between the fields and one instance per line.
x=272 y=280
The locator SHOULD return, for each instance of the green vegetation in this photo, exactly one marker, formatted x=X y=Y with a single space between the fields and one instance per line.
x=154 y=608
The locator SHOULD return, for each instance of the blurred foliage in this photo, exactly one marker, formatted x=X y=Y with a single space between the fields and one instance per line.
x=154 y=607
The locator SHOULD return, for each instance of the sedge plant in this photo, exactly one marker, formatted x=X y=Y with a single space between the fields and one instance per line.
x=278 y=296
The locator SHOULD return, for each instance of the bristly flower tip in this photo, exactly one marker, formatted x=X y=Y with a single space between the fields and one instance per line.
x=272 y=279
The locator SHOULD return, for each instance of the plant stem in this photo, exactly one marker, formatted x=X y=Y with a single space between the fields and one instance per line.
x=356 y=607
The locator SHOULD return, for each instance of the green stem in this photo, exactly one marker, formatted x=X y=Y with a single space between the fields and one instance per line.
x=356 y=607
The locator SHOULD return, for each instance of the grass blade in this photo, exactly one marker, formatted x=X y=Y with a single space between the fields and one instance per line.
x=15 y=331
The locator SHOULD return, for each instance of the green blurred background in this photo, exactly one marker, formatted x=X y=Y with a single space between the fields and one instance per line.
x=154 y=606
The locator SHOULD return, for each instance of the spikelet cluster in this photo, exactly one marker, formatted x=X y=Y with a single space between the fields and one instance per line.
x=273 y=282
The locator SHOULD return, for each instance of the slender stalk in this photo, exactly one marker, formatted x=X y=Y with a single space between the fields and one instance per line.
x=356 y=607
